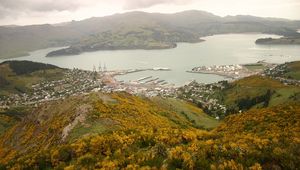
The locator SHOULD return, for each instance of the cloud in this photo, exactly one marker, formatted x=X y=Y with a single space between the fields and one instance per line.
x=15 y=8
x=41 y=11
x=136 y=4
x=40 y=5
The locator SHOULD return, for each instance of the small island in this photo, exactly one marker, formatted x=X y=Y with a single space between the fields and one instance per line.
x=279 y=41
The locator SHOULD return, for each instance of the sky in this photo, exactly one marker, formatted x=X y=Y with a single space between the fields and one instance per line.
x=27 y=12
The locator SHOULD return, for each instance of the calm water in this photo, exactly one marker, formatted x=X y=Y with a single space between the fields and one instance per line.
x=216 y=50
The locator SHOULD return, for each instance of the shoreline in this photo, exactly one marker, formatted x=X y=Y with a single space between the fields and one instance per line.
x=214 y=73
x=234 y=71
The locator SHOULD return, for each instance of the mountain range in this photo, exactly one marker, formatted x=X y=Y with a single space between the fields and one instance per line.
x=133 y=30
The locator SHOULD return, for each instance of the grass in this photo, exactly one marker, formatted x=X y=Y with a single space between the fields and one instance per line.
x=293 y=70
x=187 y=111
x=283 y=95
x=293 y=75
x=259 y=81
x=93 y=125
x=87 y=129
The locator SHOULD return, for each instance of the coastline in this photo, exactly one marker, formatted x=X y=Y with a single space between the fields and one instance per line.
x=213 y=73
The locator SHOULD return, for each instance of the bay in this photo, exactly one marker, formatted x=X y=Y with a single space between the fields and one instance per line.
x=216 y=50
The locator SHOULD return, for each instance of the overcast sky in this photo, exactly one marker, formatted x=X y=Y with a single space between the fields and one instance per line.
x=24 y=12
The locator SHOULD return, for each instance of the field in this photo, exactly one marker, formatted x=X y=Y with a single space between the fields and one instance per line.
x=188 y=111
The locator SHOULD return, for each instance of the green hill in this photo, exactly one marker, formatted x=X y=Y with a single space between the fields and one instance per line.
x=289 y=70
x=279 y=85
x=258 y=92
x=293 y=70
x=19 y=76
x=225 y=98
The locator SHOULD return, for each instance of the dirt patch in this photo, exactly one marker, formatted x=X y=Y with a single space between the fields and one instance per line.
x=107 y=99
x=81 y=113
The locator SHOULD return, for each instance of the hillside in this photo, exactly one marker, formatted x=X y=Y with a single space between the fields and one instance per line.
x=293 y=70
x=130 y=29
x=225 y=98
x=289 y=70
x=122 y=131
x=258 y=92
x=56 y=123
x=18 y=76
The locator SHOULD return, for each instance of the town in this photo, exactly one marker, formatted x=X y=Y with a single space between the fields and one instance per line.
x=278 y=74
x=74 y=82
x=204 y=96
x=77 y=82
x=236 y=71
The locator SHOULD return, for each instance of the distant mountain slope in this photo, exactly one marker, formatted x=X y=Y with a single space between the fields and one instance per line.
x=187 y=26
x=27 y=67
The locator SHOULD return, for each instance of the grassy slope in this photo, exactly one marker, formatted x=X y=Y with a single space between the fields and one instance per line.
x=293 y=70
x=188 y=111
x=251 y=88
